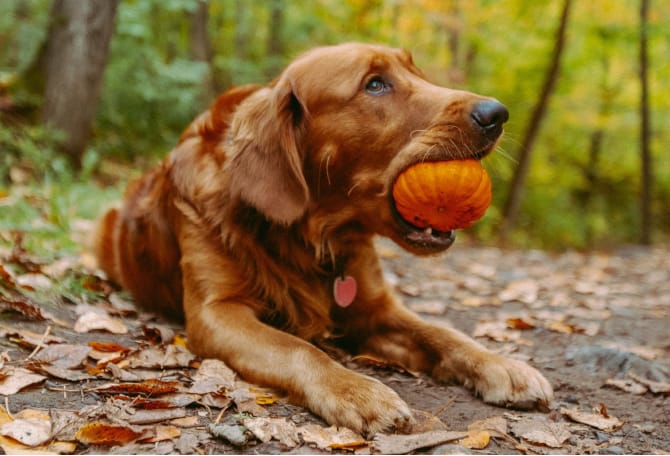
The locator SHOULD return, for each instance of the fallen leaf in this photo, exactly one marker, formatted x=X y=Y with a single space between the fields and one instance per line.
x=26 y=309
x=520 y=323
x=108 y=347
x=31 y=339
x=186 y=422
x=403 y=444
x=148 y=387
x=627 y=385
x=266 y=429
x=155 y=416
x=31 y=431
x=325 y=438
x=161 y=357
x=157 y=334
x=212 y=376
x=432 y=307
x=160 y=433
x=180 y=340
x=245 y=401
x=562 y=327
x=33 y=281
x=477 y=440
x=106 y=434
x=495 y=425
x=16 y=379
x=425 y=422
x=216 y=400
x=497 y=331
x=92 y=321
x=654 y=387
x=67 y=356
x=595 y=420
x=540 y=431
x=524 y=290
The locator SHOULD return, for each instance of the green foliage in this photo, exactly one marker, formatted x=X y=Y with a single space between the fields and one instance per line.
x=30 y=151
x=153 y=88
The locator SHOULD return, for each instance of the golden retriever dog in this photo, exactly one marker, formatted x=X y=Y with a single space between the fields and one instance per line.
x=258 y=228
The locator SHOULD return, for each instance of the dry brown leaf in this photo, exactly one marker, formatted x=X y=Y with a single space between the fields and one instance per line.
x=403 y=444
x=186 y=422
x=245 y=401
x=497 y=331
x=477 y=440
x=562 y=327
x=595 y=420
x=17 y=378
x=31 y=339
x=160 y=433
x=33 y=281
x=524 y=290
x=31 y=431
x=92 y=321
x=627 y=385
x=26 y=309
x=495 y=425
x=520 y=323
x=425 y=421
x=108 y=347
x=326 y=438
x=212 y=376
x=654 y=387
x=169 y=356
x=266 y=429
x=106 y=434
x=148 y=387
x=155 y=416
x=540 y=431
x=67 y=356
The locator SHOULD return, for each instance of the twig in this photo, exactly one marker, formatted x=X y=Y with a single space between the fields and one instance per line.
x=40 y=344
x=7 y=407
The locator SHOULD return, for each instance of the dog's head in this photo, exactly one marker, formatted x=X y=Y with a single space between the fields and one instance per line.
x=325 y=141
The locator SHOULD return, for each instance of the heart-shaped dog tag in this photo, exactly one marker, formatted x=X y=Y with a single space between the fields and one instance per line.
x=344 y=290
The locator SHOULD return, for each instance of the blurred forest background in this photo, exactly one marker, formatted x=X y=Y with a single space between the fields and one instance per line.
x=94 y=91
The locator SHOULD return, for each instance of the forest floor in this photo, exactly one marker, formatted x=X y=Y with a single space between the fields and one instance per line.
x=84 y=372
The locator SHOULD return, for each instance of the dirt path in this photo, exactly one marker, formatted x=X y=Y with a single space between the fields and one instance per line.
x=597 y=325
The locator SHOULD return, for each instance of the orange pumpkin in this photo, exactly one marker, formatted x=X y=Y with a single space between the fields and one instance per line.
x=443 y=195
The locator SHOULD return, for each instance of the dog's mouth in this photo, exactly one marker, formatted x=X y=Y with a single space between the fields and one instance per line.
x=426 y=240
x=422 y=239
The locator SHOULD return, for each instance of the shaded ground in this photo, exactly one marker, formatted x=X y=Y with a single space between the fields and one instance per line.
x=583 y=319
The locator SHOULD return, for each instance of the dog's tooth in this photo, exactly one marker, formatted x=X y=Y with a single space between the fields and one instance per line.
x=428 y=231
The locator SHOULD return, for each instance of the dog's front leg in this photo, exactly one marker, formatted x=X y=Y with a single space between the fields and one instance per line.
x=221 y=323
x=379 y=324
x=396 y=334
x=264 y=355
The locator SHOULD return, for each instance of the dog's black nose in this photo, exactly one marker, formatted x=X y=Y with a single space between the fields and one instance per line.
x=490 y=115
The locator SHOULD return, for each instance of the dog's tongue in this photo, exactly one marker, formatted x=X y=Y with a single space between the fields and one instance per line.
x=344 y=290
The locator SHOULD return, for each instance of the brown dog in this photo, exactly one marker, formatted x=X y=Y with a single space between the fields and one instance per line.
x=275 y=194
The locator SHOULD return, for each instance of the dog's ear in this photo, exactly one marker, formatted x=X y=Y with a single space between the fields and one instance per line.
x=265 y=157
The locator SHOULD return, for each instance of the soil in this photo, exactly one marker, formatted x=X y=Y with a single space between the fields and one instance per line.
x=580 y=318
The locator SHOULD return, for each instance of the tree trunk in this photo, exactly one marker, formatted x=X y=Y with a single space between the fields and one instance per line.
x=513 y=202
x=646 y=180
x=275 y=47
x=75 y=59
x=201 y=49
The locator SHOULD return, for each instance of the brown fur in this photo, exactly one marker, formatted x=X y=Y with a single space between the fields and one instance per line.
x=274 y=192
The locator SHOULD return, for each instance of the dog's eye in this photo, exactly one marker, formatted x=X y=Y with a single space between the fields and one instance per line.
x=376 y=86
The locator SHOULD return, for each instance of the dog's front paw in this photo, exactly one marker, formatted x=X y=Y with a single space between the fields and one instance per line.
x=512 y=383
x=360 y=403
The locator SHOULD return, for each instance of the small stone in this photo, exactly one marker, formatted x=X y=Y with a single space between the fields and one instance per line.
x=236 y=435
x=614 y=449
